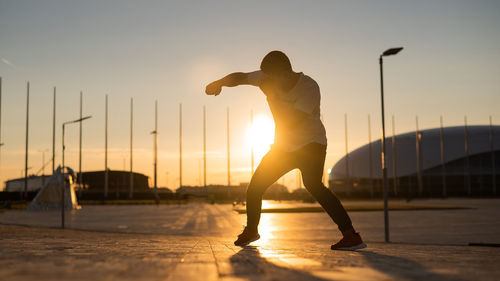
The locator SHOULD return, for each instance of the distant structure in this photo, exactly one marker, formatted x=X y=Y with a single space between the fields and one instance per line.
x=119 y=181
x=275 y=191
x=34 y=183
x=469 y=165
x=49 y=196
x=91 y=181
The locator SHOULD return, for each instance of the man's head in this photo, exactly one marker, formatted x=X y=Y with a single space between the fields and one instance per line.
x=276 y=63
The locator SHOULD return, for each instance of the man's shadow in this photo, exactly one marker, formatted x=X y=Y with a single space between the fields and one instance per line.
x=401 y=268
x=248 y=263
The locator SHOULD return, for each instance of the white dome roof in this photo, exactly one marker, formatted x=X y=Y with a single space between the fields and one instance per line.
x=406 y=163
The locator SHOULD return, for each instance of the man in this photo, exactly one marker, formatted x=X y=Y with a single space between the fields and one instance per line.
x=299 y=142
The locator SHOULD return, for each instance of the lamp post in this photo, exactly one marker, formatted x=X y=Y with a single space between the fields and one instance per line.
x=388 y=52
x=63 y=171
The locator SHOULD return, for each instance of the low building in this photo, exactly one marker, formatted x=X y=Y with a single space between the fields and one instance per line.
x=118 y=181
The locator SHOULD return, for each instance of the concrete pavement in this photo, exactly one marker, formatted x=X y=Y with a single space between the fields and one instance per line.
x=33 y=253
x=194 y=242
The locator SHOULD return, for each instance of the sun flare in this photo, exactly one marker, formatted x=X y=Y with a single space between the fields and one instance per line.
x=260 y=135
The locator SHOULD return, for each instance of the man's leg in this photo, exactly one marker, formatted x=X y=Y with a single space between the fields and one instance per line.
x=273 y=165
x=313 y=156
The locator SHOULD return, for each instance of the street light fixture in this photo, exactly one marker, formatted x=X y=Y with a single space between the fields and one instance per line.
x=388 y=52
x=63 y=171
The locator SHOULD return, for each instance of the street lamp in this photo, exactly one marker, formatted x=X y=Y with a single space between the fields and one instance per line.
x=63 y=171
x=388 y=52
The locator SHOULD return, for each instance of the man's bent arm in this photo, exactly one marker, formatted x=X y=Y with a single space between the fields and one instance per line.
x=231 y=80
x=234 y=79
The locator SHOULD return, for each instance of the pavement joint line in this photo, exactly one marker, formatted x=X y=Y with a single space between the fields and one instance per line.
x=483 y=244
x=215 y=258
x=180 y=261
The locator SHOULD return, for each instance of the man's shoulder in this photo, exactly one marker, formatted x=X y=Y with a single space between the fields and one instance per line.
x=309 y=79
x=308 y=83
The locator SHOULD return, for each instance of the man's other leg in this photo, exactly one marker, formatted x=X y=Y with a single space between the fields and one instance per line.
x=313 y=158
x=273 y=165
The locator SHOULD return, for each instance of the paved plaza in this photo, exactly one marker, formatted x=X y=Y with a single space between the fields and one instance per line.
x=194 y=242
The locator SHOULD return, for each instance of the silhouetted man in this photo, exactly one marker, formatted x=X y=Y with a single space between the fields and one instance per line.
x=299 y=142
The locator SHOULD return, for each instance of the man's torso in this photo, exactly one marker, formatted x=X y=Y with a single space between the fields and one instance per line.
x=303 y=96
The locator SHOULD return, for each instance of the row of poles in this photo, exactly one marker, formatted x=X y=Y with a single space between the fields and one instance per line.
x=419 y=157
x=106 y=169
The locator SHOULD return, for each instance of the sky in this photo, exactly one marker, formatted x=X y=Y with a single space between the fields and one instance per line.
x=169 y=50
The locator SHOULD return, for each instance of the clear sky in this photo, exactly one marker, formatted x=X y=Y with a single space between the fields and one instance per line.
x=169 y=50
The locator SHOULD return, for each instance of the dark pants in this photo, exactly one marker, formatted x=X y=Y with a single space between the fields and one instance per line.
x=310 y=159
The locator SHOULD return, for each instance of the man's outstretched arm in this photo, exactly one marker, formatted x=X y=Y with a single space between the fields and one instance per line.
x=231 y=80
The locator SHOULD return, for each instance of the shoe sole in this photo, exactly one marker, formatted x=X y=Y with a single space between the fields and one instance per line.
x=353 y=248
x=248 y=242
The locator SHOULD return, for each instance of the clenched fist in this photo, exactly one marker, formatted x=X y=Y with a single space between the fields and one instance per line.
x=214 y=88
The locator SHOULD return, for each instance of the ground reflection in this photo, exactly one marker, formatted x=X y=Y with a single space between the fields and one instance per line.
x=267 y=227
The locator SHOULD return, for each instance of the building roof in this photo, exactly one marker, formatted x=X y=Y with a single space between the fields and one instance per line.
x=406 y=160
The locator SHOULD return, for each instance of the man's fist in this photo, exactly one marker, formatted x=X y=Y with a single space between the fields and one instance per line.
x=213 y=89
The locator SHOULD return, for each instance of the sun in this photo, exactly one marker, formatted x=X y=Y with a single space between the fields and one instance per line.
x=260 y=135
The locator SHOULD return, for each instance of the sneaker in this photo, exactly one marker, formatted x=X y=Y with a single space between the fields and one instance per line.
x=246 y=237
x=350 y=242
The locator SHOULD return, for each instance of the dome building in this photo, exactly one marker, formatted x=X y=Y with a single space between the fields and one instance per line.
x=465 y=163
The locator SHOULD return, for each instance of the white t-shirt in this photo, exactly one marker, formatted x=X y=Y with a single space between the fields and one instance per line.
x=304 y=96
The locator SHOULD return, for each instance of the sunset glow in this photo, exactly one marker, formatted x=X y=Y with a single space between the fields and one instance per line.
x=260 y=135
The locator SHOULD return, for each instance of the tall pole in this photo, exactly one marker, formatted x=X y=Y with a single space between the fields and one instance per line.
x=80 y=149
x=43 y=167
x=54 y=132
x=467 y=161
x=228 y=156
x=27 y=137
x=252 y=146
x=492 y=149
x=418 y=137
x=443 y=167
x=204 y=149
x=180 y=145
x=106 y=172
x=63 y=179
x=394 y=166
x=131 y=190
x=156 y=151
x=384 y=168
x=199 y=172
x=370 y=160
x=347 y=177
